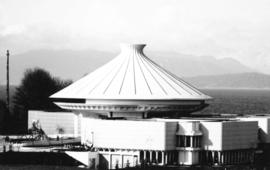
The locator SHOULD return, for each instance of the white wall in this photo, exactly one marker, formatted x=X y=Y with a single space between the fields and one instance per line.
x=263 y=127
x=49 y=122
x=229 y=135
x=189 y=128
x=212 y=135
x=128 y=134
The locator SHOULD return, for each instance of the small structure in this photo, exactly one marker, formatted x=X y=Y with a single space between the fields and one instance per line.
x=52 y=122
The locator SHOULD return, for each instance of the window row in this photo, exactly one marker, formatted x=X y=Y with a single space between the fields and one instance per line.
x=188 y=141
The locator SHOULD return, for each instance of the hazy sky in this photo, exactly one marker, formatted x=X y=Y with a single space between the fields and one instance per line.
x=222 y=28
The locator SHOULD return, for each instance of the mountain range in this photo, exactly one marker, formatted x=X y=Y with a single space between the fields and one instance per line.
x=69 y=64
x=201 y=71
x=231 y=81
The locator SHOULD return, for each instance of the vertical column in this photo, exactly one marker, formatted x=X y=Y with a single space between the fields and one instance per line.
x=150 y=156
x=110 y=161
x=157 y=157
x=242 y=157
x=231 y=157
x=245 y=156
x=219 y=158
x=122 y=161
x=213 y=157
x=166 y=158
x=173 y=157
x=238 y=157
x=234 y=157
x=162 y=158
x=251 y=157
x=224 y=157
x=206 y=157
x=228 y=157
x=144 y=156
x=139 y=157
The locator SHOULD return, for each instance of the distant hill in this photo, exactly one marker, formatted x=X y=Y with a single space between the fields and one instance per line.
x=69 y=64
x=232 y=81
x=189 y=65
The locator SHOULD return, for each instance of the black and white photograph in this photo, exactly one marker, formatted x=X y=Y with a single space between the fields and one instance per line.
x=134 y=84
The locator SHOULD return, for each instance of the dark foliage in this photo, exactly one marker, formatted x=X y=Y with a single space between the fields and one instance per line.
x=35 y=89
x=33 y=94
x=3 y=115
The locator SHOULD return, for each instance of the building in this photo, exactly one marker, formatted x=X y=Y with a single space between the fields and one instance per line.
x=56 y=124
x=131 y=85
x=172 y=142
x=185 y=141
x=132 y=113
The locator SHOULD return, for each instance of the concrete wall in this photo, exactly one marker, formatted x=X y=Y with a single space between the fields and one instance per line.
x=189 y=128
x=239 y=135
x=170 y=138
x=263 y=127
x=212 y=135
x=50 y=121
x=229 y=135
x=128 y=134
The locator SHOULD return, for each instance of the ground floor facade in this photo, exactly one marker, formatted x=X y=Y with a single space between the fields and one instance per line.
x=122 y=158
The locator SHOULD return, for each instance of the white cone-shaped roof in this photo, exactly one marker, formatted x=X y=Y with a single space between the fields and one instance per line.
x=131 y=75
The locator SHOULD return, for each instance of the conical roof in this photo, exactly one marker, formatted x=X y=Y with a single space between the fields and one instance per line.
x=131 y=76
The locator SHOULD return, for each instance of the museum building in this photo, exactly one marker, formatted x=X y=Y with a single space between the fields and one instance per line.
x=132 y=111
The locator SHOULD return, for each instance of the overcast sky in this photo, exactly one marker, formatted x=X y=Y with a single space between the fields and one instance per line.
x=222 y=28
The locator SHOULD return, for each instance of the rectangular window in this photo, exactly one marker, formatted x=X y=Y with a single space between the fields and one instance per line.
x=188 y=141
x=182 y=141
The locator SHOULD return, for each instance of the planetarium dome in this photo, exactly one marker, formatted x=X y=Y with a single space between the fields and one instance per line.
x=129 y=83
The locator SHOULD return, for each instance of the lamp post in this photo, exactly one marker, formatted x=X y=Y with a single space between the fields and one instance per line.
x=92 y=134
x=7 y=88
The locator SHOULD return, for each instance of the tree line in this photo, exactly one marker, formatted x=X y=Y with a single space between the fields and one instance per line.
x=32 y=94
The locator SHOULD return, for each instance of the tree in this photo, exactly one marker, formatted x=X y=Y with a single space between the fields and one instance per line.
x=3 y=116
x=33 y=94
x=34 y=91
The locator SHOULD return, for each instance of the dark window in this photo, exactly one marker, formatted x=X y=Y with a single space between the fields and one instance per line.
x=188 y=141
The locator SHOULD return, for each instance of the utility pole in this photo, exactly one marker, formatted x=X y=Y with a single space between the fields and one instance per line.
x=7 y=88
